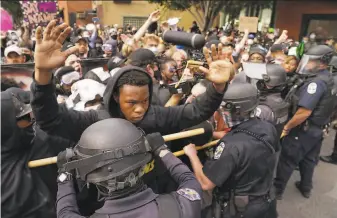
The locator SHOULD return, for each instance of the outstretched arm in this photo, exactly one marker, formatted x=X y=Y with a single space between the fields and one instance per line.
x=154 y=17
x=51 y=117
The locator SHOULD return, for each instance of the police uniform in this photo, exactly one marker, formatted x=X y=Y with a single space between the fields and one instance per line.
x=302 y=145
x=242 y=168
x=186 y=202
x=274 y=109
x=116 y=165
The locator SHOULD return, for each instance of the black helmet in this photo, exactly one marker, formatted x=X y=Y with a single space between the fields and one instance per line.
x=315 y=55
x=276 y=75
x=243 y=97
x=21 y=109
x=111 y=154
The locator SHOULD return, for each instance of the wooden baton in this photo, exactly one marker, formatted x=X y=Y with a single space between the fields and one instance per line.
x=209 y=144
x=167 y=138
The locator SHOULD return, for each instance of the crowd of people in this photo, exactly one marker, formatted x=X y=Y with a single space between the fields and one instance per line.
x=269 y=101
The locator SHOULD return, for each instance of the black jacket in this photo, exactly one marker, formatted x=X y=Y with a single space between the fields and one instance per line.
x=25 y=192
x=70 y=124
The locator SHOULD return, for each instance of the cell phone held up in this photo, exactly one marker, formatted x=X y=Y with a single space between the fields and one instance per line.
x=194 y=68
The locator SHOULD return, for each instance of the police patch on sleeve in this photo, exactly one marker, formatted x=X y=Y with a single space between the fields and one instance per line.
x=190 y=194
x=258 y=112
x=219 y=150
x=312 y=88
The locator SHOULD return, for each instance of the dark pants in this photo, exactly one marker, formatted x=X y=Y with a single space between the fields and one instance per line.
x=334 y=153
x=299 y=148
x=259 y=208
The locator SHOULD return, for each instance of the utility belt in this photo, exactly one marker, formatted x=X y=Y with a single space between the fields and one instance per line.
x=309 y=124
x=236 y=205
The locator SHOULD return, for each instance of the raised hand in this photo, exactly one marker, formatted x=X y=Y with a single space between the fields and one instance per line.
x=215 y=55
x=48 y=55
x=220 y=72
x=154 y=16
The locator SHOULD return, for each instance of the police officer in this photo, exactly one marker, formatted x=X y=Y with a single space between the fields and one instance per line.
x=272 y=107
x=241 y=170
x=333 y=157
x=115 y=164
x=303 y=133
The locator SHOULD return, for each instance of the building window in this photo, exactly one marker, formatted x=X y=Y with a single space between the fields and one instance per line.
x=325 y=27
x=134 y=21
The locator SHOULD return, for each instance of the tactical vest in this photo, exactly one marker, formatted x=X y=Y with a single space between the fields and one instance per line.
x=325 y=107
x=279 y=107
x=244 y=180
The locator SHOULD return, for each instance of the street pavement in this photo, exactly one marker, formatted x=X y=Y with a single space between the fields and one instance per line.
x=323 y=202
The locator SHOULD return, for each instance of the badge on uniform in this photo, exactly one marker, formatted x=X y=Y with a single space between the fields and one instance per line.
x=219 y=150
x=312 y=88
x=258 y=112
x=190 y=194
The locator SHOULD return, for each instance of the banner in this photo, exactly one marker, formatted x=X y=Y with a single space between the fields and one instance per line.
x=22 y=73
x=6 y=21
x=39 y=13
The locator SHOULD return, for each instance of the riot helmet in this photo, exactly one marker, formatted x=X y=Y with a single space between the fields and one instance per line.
x=274 y=79
x=238 y=103
x=111 y=154
x=316 y=56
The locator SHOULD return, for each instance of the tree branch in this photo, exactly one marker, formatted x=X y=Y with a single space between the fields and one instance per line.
x=199 y=21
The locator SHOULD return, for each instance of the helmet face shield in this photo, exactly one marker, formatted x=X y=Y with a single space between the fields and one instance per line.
x=309 y=64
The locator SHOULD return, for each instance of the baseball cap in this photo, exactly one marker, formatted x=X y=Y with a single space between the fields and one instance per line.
x=78 y=38
x=141 y=57
x=13 y=48
x=110 y=45
x=276 y=47
x=258 y=50
x=115 y=62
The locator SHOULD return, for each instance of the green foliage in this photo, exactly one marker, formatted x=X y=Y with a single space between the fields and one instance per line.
x=179 y=5
x=14 y=8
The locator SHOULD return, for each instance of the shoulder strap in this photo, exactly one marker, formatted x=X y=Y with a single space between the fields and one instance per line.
x=168 y=206
x=257 y=137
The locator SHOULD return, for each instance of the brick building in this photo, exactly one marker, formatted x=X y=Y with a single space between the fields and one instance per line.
x=301 y=17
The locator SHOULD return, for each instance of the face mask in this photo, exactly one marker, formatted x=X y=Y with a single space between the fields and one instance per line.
x=114 y=37
x=28 y=133
x=250 y=41
x=277 y=61
x=312 y=36
x=154 y=50
x=305 y=41
x=95 y=107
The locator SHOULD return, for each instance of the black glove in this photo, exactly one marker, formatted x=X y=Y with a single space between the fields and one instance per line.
x=63 y=157
x=156 y=142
